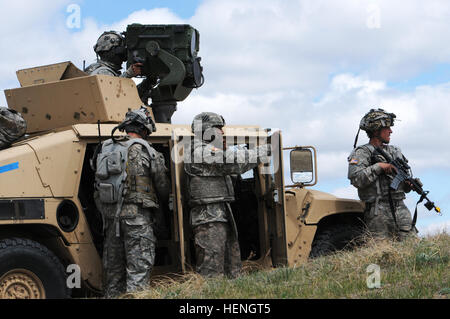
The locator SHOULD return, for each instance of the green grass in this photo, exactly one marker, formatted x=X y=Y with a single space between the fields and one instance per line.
x=416 y=268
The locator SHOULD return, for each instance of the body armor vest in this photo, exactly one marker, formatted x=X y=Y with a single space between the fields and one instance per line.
x=205 y=190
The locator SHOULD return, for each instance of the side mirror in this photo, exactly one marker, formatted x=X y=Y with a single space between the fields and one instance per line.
x=303 y=166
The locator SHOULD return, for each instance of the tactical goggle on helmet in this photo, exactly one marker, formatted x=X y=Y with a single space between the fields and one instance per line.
x=109 y=40
x=207 y=120
x=376 y=119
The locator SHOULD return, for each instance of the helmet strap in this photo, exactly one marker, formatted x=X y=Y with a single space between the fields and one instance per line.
x=356 y=138
x=112 y=134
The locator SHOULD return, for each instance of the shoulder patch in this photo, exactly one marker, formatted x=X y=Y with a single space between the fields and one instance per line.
x=353 y=161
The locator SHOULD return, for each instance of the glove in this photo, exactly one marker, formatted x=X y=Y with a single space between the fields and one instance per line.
x=418 y=181
x=133 y=70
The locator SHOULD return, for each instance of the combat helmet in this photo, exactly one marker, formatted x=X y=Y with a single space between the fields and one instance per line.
x=207 y=120
x=110 y=47
x=374 y=120
x=135 y=121
x=109 y=40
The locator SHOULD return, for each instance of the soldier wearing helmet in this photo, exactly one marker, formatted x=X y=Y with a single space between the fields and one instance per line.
x=209 y=165
x=111 y=53
x=143 y=185
x=385 y=214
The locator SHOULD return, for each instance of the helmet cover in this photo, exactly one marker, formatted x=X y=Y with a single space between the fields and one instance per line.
x=138 y=119
x=376 y=119
x=207 y=120
x=109 y=40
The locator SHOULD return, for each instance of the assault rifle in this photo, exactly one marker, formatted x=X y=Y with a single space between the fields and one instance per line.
x=404 y=175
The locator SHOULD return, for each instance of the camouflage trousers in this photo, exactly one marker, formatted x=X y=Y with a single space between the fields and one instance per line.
x=380 y=221
x=217 y=250
x=128 y=260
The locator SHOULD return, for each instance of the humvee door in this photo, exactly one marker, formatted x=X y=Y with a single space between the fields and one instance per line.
x=276 y=216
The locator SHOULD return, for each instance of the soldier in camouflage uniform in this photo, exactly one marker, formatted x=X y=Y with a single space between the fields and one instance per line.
x=208 y=165
x=12 y=127
x=385 y=214
x=129 y=256
x=110 y=47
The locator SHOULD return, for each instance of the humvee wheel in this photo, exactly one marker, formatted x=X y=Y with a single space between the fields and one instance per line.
x=28 y=270
x=334 y=238
x=21 y=284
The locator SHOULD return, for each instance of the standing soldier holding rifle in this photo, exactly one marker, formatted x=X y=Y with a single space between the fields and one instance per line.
x=373 y=174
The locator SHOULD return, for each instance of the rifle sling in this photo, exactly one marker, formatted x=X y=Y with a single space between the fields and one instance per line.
x=391 y=204
x=422 y=197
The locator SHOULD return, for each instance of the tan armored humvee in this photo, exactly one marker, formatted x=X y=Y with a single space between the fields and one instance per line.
x=51 y=232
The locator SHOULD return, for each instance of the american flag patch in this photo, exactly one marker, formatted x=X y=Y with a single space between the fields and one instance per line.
x=353 y=161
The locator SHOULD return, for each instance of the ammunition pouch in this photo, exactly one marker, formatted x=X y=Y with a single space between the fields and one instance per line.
x=142 y=185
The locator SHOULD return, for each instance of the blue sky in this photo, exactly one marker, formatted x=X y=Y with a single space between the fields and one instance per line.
x=437 y=73
x=108 y=12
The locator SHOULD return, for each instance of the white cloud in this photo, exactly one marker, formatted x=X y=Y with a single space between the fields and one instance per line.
x=20 y=15
x=346 y=192
x=332 y=122
x=294 y=44
x=153 y=16
x=436 y=228
x=297 y=44
x=38 y=35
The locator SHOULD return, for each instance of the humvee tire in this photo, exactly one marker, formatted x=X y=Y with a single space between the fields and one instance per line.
x=335 y=237
x=28 y=270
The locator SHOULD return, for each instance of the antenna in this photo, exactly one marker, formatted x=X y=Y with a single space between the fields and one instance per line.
x=99 y=132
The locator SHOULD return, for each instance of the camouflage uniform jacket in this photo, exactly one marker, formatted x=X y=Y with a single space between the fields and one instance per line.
x=369 y=178
x=204 y=159
x=106 y=68
x=146 y=185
